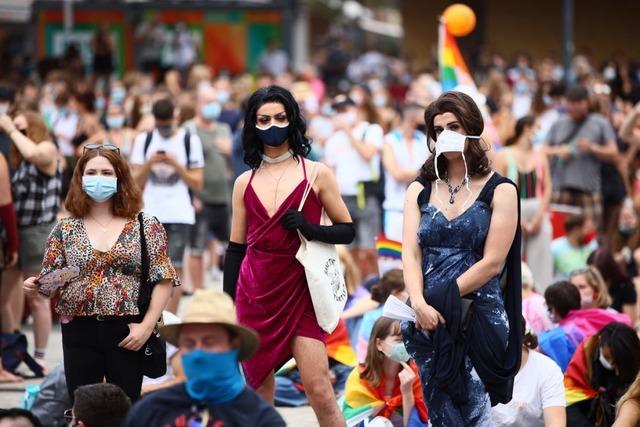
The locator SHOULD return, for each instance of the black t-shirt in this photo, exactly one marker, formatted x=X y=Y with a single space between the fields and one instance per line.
x=173 y=407
x=624 y=293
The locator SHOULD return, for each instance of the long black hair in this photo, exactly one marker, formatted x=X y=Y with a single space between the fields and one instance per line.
x=298 y=141
x=624 y=345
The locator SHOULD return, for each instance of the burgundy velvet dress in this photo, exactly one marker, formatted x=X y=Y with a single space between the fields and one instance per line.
x=272 y=295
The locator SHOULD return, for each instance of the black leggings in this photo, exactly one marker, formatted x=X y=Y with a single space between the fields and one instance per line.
x=91 y=355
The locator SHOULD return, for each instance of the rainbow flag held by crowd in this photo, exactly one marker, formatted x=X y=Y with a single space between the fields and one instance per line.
x=388 y=248
x=454 y=73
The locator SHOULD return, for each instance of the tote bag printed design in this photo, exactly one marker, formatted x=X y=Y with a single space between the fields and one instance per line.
x=324 y=275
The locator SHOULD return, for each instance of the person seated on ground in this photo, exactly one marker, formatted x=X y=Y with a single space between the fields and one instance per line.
x=628 y=407
x=391 y=283
x=211 y=344
x=534 y=308
x=574 y=323
x=18 y=417
x=571 y=251
x=175 y=373
x=342 y=359
x=601 y=370
x=593 y=290
x=538 y=391
x=387 y=383
x=99 y=405
x=620 y=286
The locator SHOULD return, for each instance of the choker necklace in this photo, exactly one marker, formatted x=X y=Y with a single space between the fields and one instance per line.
x=281 y=158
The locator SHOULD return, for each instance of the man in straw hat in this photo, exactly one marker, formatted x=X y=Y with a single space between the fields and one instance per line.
x=211 y=344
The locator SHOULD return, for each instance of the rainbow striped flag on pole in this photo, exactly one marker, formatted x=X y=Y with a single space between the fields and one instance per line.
x=454 y=73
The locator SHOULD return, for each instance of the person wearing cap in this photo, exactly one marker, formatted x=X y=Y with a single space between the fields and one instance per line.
x=353 y=152
x=578 y=145
x=211 y=344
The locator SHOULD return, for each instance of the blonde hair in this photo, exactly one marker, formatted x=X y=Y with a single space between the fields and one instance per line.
x=352 y=274
x=597 y=283
x=527 y=276
x=632 y=393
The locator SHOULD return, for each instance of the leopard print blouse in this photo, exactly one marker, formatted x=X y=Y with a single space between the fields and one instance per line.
x=109 y=282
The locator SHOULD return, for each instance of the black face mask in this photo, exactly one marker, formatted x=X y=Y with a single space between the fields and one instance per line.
x=273 y=136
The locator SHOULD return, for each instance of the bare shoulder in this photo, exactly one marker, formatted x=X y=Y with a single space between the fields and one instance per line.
x=242 y=181
x=505 y=194
x=413 y=191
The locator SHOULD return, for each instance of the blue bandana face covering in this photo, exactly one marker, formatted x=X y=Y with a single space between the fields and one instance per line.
x=99 y=188
x=273 y=135
x=213 y=377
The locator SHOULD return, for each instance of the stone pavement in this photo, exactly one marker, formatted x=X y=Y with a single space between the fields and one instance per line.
x=10 y=394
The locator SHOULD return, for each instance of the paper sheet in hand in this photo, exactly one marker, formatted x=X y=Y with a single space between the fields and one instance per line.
x=396 y=309
x=56 y=279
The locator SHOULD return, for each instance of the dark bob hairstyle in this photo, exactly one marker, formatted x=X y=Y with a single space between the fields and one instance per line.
x=466 y=111
x=298 y=141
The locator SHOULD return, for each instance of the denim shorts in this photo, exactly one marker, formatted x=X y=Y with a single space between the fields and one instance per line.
x=177 y=235
x=211 y=222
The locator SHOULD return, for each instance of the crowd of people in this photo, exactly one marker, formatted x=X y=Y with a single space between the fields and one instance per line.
x=516 y=206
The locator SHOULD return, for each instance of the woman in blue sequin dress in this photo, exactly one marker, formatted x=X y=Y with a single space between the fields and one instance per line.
x=459 y=224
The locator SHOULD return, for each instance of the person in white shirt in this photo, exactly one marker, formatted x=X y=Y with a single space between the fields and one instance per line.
x=404 y=151
x=168 y=163
x=353 y=152
x=538 y=391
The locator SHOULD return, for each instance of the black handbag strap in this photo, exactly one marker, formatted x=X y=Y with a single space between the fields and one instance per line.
x=144 y=294
x=573 y=133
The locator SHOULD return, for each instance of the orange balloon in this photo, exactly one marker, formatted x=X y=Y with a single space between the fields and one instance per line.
x=460 y=19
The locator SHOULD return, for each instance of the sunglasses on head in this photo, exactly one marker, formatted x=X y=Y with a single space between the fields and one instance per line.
x=107 y=147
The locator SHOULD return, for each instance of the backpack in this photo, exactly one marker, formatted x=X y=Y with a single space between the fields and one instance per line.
x=187 y=145
x=14 y=352
x=52 y=399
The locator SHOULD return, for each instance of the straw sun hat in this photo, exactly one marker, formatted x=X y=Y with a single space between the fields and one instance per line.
x=208 y=307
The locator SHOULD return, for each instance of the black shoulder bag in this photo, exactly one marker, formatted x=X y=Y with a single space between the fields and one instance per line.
x=154 y=352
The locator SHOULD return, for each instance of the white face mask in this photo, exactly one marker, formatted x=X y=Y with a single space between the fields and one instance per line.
x=452 y=142
x=586 y=299
x=604 y=362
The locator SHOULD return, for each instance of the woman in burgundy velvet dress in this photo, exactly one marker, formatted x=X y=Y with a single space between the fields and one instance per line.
x=269 y=284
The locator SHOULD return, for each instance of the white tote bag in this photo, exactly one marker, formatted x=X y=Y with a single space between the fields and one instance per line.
x=324 y=274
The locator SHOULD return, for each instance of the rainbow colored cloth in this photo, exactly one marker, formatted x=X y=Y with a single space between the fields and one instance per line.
x=453 y=70
x=360 y=396
x=577 y=386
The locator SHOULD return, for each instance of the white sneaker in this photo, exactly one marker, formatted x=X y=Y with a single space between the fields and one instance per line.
x=215 y=273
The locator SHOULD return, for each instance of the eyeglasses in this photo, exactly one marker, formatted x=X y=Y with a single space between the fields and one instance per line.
x=107 y=147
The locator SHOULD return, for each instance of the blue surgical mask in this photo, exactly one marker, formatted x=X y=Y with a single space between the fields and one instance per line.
x=213 y=377
x=99 y=188
x=115 y=122
x=118 y=94
x=537 y=138
x=398 y=353
x=100 y=103
x=211 y=111
x=273 y=135
x=223 y=96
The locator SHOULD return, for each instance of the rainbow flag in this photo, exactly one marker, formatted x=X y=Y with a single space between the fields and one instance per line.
x=453 y=71
x=577 y=384
x=388 y=248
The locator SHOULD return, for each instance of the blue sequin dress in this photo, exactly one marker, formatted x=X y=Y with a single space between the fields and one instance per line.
x=450 y=248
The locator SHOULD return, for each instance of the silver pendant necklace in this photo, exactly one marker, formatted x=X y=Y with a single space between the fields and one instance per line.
x=281 y=158
x=453 y=191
